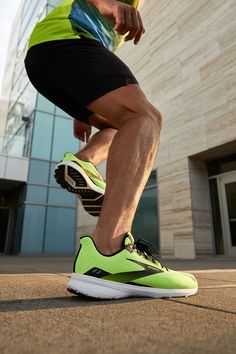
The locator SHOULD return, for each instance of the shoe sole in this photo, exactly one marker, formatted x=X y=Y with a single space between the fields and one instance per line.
x=106 y=289
x=73 y=178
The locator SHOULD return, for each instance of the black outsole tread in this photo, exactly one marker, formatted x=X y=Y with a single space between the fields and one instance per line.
x=91 y=200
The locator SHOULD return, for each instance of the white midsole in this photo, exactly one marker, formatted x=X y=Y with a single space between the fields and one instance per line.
x=107 y=289
x=72 y=183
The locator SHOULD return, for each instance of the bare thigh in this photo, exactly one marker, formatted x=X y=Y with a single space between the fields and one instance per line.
x=120 y=105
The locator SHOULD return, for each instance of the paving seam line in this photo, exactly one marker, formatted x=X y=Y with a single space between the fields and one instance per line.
x=201 y=306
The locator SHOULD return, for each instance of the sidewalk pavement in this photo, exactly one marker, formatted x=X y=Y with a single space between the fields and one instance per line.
x=38 y=315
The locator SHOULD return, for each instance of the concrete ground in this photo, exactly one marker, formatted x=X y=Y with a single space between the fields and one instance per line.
x=38 y=315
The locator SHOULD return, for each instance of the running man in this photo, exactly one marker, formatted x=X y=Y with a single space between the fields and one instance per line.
x=71 y=62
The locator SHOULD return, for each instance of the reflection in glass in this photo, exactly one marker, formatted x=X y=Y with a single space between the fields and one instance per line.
x=38 y=171
x=36 y=194
x=16 y=144
x=63 y=139
x=60 y=230
x=54 y=2
x=146 y=223
x=42 y=136
x=33 y=229
x=44 y=105
x=60 y=112
x=52 y=180
x=58 y=196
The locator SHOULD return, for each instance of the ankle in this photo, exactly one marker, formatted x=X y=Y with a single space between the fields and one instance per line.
x=85 y=157
x=110 y=246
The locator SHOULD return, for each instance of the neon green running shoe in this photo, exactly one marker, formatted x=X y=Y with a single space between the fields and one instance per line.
x=131 y=272
x=83 y=179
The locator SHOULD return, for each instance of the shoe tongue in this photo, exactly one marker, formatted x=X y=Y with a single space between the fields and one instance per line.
x=128 y=239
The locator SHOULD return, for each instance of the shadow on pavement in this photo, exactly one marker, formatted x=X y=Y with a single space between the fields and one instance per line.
x=59 y=302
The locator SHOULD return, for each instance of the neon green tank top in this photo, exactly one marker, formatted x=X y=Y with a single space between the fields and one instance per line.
x=74 y=18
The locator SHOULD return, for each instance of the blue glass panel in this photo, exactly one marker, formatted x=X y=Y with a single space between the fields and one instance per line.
x=36 y=194
x=146 y=223
x=59 y=196
x=60 y=231
x=39 y=171
x=52 y=180
x=60 y=112
x=33 y=229
x=63 y=139
x=42 y=136
x=45 y=105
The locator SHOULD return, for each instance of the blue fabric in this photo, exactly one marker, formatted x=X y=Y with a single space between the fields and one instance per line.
x=85 y=17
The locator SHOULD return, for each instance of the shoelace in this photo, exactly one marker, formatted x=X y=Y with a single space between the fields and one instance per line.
x=148 y=251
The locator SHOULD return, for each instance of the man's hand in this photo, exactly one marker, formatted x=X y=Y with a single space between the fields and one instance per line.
x=126 y=18
x=82 y=131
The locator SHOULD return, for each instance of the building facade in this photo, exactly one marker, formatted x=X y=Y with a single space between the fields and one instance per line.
x=186 y=64
x=36 y=216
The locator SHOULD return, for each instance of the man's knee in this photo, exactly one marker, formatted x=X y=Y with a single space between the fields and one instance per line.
x=156 y=116
x=151 y=115
x=126 y=104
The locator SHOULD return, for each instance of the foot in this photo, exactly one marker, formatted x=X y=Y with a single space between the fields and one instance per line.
x=131 y=272
x=83 y=179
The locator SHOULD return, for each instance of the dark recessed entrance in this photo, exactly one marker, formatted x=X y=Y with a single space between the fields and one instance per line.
x=4 y=220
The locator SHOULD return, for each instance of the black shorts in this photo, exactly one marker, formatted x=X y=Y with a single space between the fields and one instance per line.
x=74 y=72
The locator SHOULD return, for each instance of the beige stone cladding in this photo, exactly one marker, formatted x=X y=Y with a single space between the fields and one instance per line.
x=186 y=64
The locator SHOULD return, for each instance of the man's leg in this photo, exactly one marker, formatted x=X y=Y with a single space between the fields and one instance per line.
x=99 y=144
x=123 y=267
x=77 y=172
x=130 y=160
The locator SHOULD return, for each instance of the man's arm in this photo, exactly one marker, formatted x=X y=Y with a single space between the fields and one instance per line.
x=82 y=131
x=125 y=18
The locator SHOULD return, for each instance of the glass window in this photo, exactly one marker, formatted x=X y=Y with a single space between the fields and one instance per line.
x=42 y=136
x=146 y=223
x=49 y=9
x=29 y=11
x=38 y=171
x=17 y=143
x=22 y=102
x=54 y=2
x=44 y=105
x=60 y=230
x=52 y=180
x=14 y=119
x=60 y=112
x=28 y=99
x=33 y=229
x=152 y=180
x=36 y=194
x=36 y=10
x=19 y=66
x=59 y=196
x=63 y=139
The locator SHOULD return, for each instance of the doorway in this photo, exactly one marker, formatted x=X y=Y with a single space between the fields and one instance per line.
x=4 y=220
x=227 y=199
